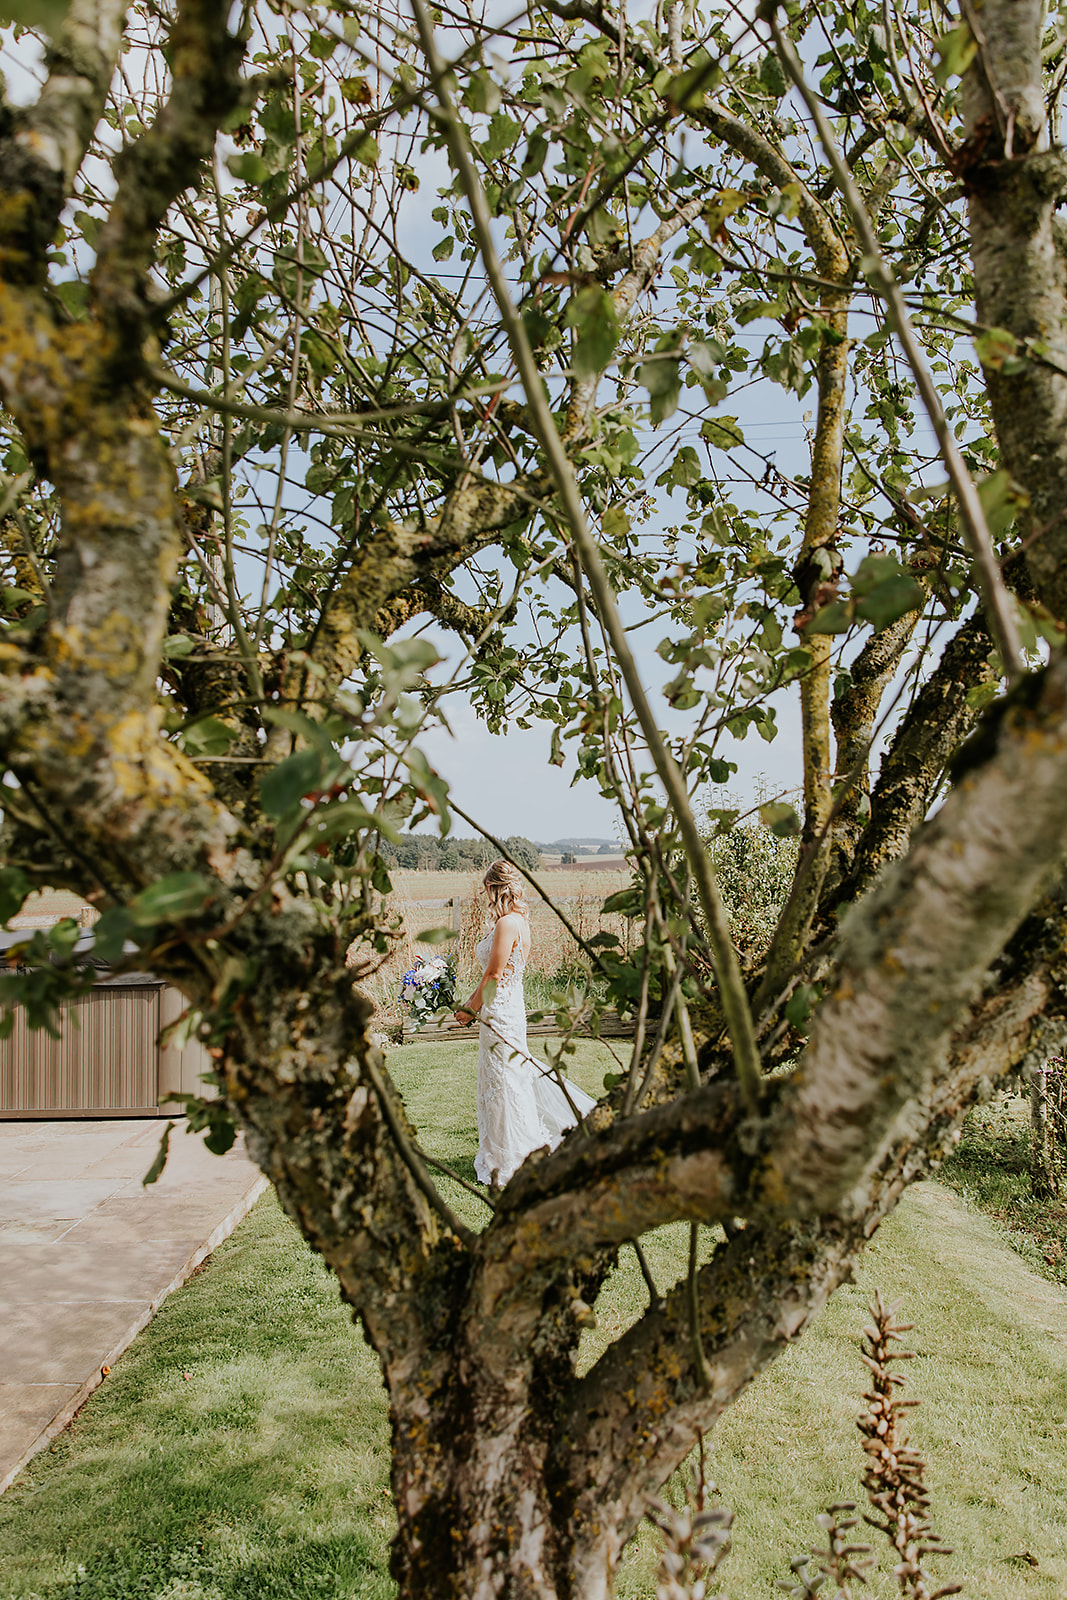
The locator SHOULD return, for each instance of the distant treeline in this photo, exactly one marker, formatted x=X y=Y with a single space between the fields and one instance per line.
x=424 y=853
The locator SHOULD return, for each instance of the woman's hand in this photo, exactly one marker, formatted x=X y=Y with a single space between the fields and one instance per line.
x=464 y=1015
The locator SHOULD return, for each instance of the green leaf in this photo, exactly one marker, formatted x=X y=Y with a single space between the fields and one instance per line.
x=322 y=46
x=481 y=92
x=615 y=523
x=955 y=51
x=780 y=818
x=719 y=771
x=705 y=356
x=1002 y=500
x=612 y=1079
x=46 y=14
x=798 y=1006
x=443 y=248
x=285 y=785
x=177 y=646
x=836 y=617
x=503 y=133
x=757 y=310
x=603 y=229
x=156 y=1169
x=216 y=1117
x=982 y=695
x=356 y=91
x=404 y=663
x=75 y=296
x=555 y=758
x=786 y=203
x=889 y=600
x=175 y=898
x=995 y=346
x=316 y=734
x=537 y=325
x=628 y=901
x=222 y=1131
x=333 y=821
x=722 y=431
x=874 y=570
x=207 y=737
x=110 y=933
x=686 y=90
x=536 y=151
x=432 y=788
x=663 y=380
x=772 y=75
x=435 y=936
x=62 y=938
x=686 y=468
x=591 y=312
x=766 y=725
x=248 y=166
x=14 y=887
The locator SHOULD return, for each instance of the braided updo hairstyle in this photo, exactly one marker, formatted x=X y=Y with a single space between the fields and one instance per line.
x=504 y=886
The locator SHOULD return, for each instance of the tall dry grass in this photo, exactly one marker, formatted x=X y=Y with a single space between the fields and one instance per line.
x=555 y=956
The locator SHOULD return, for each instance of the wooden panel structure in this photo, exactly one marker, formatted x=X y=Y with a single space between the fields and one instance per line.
x=181 y=1068
x=107 y=1062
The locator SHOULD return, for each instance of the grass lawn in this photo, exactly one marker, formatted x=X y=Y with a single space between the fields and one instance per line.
x=990 y=1169
x=239 y=1451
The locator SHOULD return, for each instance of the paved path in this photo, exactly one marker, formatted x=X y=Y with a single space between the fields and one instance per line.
x=87 y=1255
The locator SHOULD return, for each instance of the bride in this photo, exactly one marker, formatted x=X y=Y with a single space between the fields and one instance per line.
x=521 y=1107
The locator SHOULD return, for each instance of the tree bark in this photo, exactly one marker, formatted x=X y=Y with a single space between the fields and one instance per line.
x=1014 y=184
x=514 y=1478
x=1043 y=1183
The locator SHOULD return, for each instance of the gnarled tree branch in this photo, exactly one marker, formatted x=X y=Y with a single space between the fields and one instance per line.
x=40 y=158
x=205 y=59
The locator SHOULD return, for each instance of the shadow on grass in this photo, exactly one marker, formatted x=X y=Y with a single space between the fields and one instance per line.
x=463 y=1167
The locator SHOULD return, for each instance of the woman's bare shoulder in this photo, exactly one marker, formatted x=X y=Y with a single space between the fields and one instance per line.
x=512 y=922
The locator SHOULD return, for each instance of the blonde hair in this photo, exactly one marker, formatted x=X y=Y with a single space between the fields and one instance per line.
x=504 y=886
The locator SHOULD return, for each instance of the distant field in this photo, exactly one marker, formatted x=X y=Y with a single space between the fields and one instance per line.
x=585 y=864
x=601 y=879
x=585 y=891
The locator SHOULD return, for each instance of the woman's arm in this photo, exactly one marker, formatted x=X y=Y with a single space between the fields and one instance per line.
x=506 y=936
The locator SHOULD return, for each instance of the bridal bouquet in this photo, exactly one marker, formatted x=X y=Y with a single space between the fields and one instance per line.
x=427 y=986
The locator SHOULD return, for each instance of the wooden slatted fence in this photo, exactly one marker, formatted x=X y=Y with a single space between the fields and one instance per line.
x=612 y=1026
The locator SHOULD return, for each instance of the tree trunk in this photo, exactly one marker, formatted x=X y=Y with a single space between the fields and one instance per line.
x=1043 y=1184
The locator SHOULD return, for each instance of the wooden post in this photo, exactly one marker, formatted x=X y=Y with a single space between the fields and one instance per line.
x=1043 y=1183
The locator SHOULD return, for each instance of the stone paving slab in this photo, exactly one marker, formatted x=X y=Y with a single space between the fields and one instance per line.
x=87 y=1255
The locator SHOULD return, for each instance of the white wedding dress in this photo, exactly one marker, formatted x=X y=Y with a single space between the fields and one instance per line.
x=520 y=1105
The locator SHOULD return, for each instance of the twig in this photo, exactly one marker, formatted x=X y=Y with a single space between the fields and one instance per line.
x=995 y=596
x=728 y=970
x=450 y=1172
x=412 y=1159
x=700 y=1360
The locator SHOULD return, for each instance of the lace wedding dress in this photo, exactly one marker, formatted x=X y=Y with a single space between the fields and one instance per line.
x=520 y=1106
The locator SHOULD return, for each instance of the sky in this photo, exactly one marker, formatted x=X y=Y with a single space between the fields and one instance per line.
x=506 y=780
x=508 y=784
